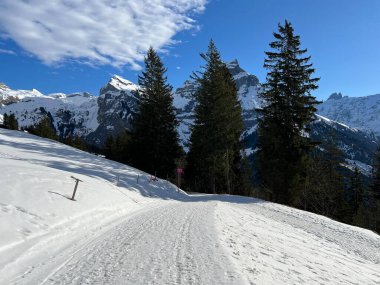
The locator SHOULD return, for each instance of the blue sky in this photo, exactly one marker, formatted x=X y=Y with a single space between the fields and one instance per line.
x=68 y=46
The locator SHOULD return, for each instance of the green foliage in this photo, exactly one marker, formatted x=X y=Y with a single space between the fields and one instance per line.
x=10 y=121
x=44 y=128
x=214 y=154
x=119 y=149
x=324 y=192
x=284 y=155
x=155 y=147
x=375 y=186
x=356 y=191
x=76 y=142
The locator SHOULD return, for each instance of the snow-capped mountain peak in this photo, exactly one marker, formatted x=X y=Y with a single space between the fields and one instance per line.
x=359 y=112
x=118 y=83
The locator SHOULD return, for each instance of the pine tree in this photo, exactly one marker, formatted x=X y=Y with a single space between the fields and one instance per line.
x=375 y=192
x=214 y=154
x=76 y=142
x=10 y=121
x=6 y=120
x=375 y=187
x=155 y=146
x=44 y=128
x=283 y=126
x=324 y=194
x=355 y=191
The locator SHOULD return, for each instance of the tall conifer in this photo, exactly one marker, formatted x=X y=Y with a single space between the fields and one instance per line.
x=214 y=154
x=289 y=109
x=154 y=147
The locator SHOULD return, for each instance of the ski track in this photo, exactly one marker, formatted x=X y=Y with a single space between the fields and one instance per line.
x=174 y=244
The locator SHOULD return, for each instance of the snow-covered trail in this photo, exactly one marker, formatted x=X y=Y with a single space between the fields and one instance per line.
x=171 y=244
x=125 y=229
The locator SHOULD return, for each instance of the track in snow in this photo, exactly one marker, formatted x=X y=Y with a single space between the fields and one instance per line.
x=173 y=244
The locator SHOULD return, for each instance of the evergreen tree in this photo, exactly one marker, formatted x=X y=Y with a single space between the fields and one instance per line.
x=109 y=146
x=214 y=154
x=44 y=128
x=6 y=120
x=355 y=191
x=285 y=147
x=10 y=121
x=375 y=187
x=76 y=142
x=324 y=194
x=155 y=147
x=375 y=193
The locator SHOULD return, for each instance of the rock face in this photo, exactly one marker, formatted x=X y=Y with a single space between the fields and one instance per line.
x=362 y=113
x=117 y=103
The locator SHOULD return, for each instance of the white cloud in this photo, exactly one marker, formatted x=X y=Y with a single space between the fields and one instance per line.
x=96 y=32
x=7 y=51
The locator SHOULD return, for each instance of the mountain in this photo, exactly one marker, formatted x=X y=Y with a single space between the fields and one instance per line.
x=80 y=114
x=362 y=113
x=116 y=104
x=96 y=117
x=123 y=228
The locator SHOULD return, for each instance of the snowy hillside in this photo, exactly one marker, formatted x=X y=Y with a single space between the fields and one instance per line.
x=358 y=112
x=120 y=231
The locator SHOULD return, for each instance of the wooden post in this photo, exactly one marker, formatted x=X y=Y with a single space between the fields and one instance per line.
x=76 y=186
x=138 y=177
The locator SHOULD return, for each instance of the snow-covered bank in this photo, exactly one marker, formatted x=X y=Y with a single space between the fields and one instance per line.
x=275 y=244
x=35 y=191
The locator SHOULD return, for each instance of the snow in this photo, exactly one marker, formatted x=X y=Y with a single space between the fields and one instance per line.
x=82 y=106
x=6 y=92
x=334 y=123
x=274 y=244
x=121 y=83
x=119 y=231
x=362 y=167
x=358 y=112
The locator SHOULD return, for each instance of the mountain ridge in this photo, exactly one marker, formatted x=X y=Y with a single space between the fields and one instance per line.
x=97 y=117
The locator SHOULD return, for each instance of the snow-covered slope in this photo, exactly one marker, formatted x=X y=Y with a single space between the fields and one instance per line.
x=36 y=187
x=358 y=112
x=120 y=231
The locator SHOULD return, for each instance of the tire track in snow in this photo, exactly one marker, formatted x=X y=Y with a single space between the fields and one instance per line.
x=174 y=244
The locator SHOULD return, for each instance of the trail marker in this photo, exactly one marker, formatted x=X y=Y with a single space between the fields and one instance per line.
x=76 y=186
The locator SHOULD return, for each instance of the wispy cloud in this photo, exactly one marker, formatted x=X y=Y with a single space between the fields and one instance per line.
x=96 y=32
x=7 y=51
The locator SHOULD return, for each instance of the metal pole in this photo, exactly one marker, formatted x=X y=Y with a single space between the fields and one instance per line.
x=75 y=189
x=76 y=186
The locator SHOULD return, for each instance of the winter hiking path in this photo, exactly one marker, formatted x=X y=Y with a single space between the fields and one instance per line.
x=217 y=239
x=171 y=244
